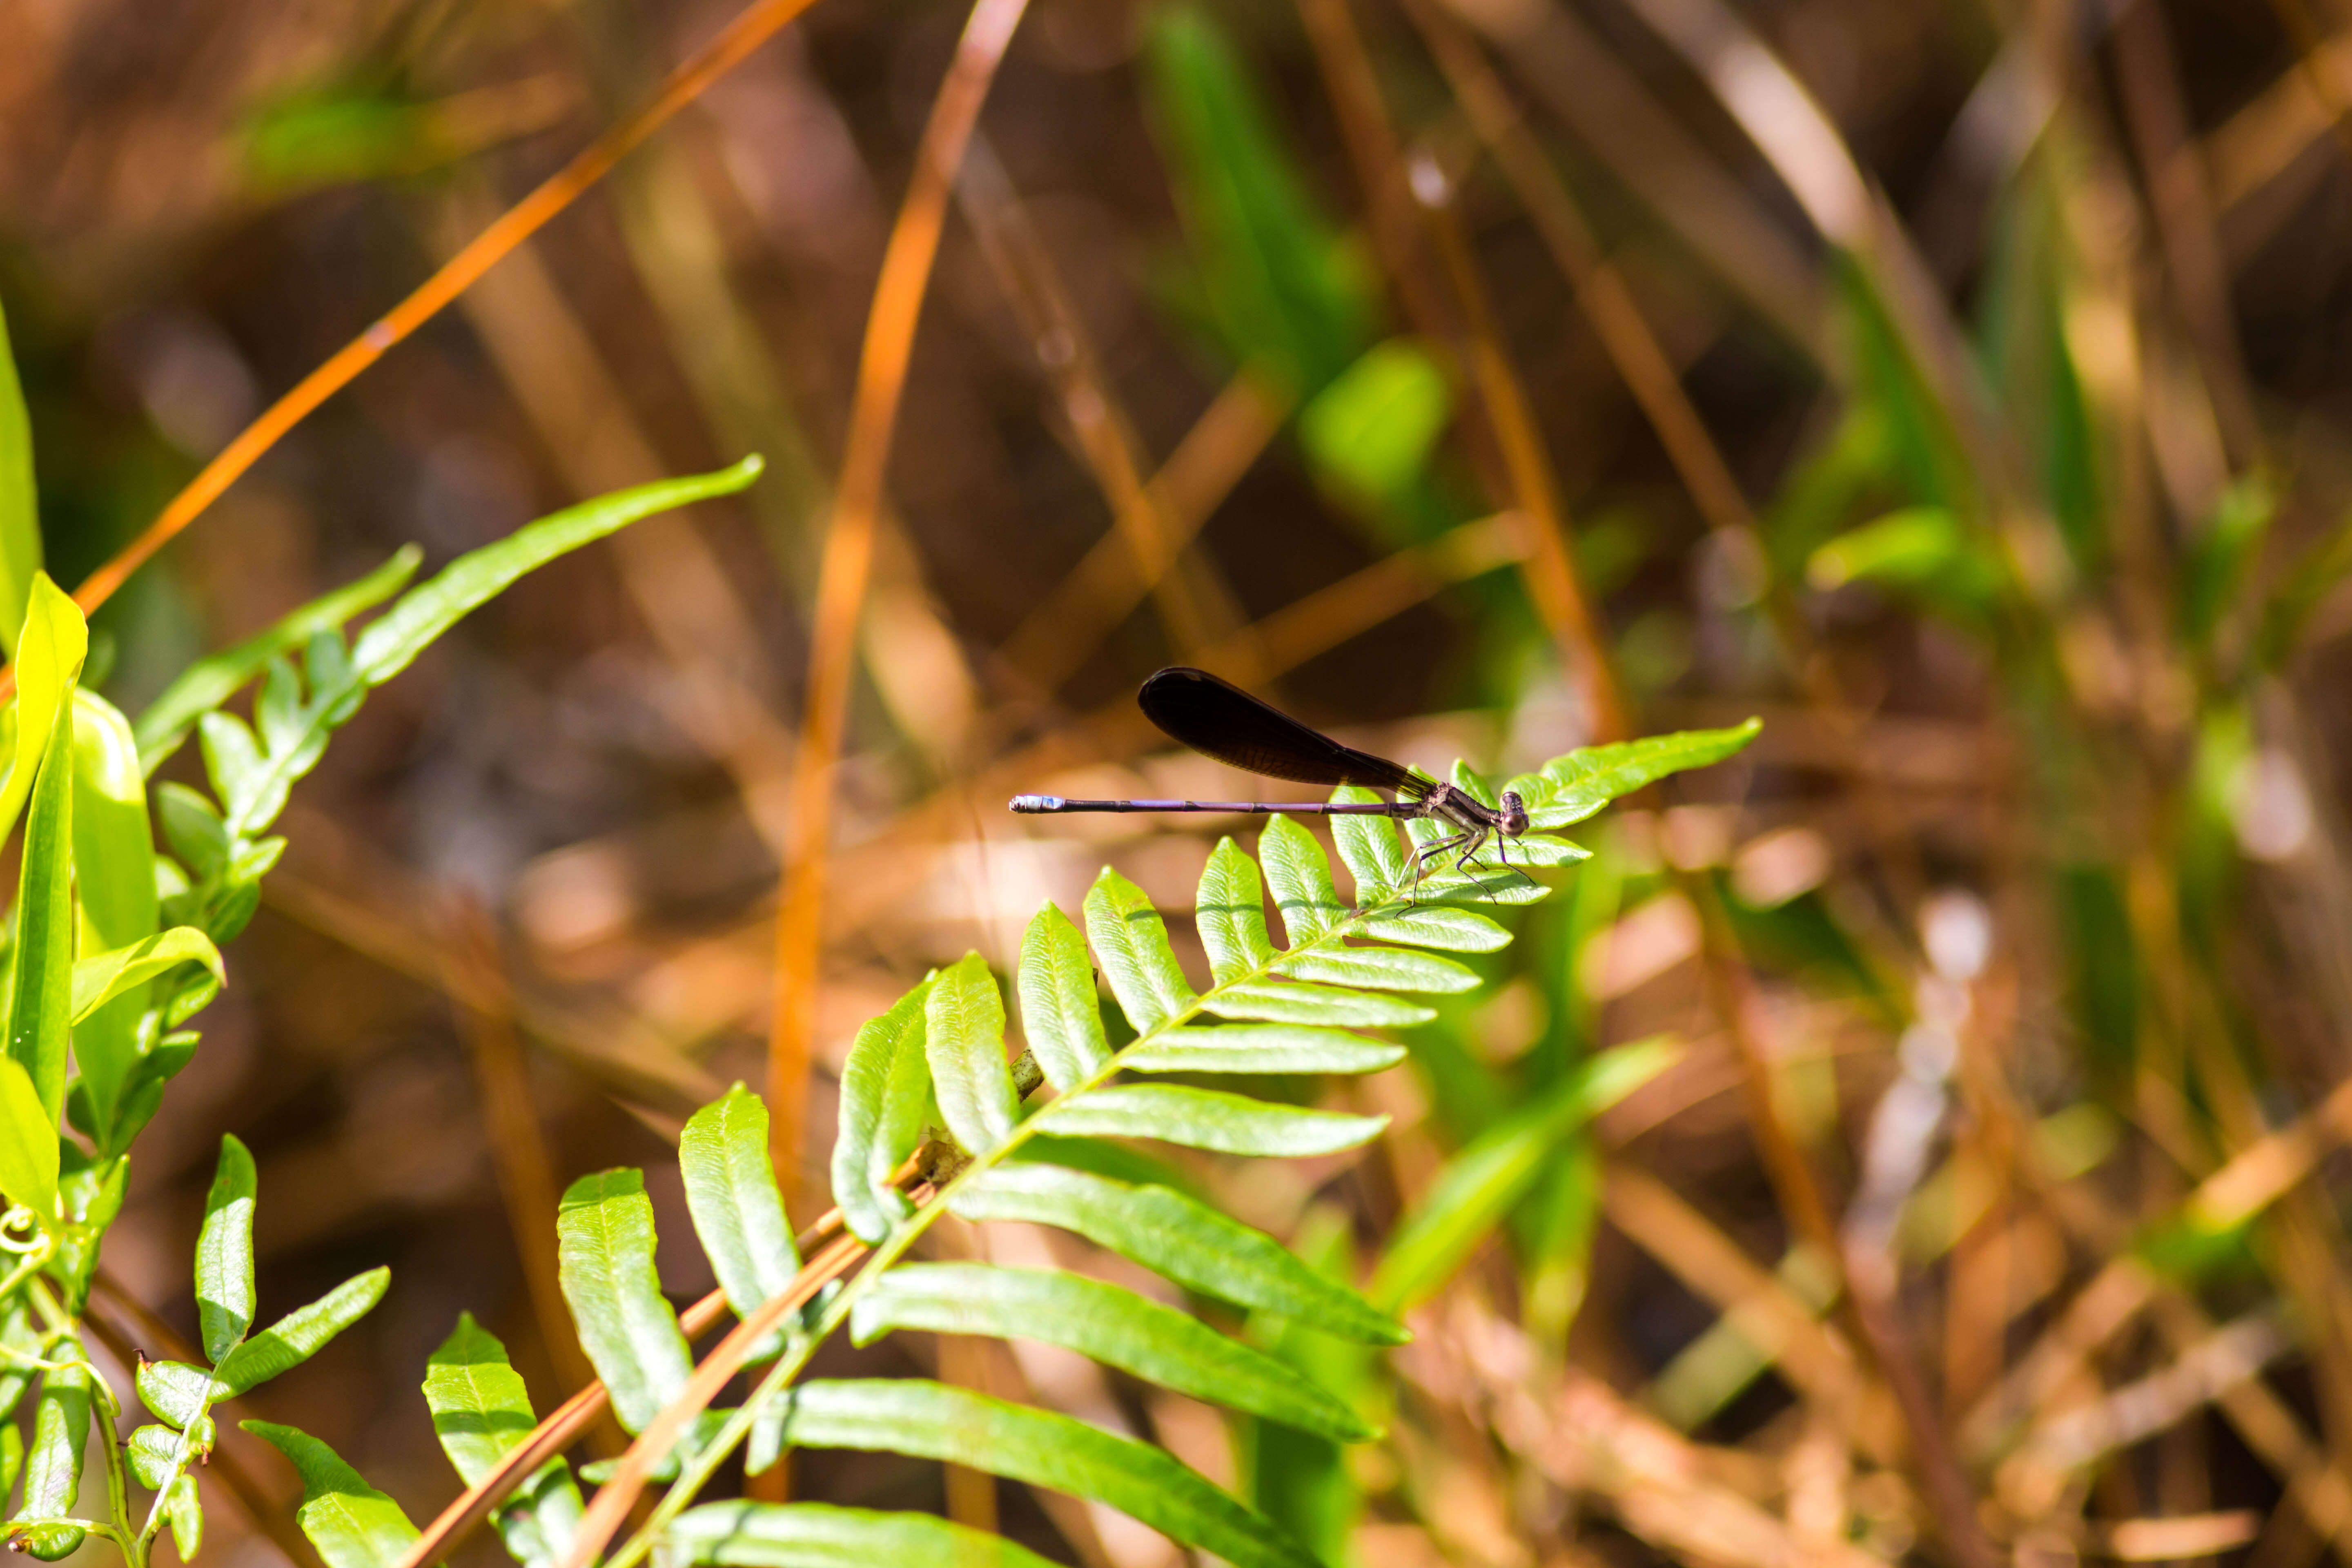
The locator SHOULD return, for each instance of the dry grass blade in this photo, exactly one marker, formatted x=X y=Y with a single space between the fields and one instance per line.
x=848 y=559
x=518 y=1145
x=753 y=26
x=1106 y=438
x=1070 y=622
x=1549 y=568
x=1758 y=1305
x=1656 y=159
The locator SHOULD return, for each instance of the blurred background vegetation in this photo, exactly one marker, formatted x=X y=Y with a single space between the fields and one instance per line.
x=1964 y=388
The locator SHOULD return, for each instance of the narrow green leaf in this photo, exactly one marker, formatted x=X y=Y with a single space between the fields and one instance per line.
x=100 y=980
x=1131 y=942
x=744 y=1534
x=225 y=1298
x=1058 y=1013
x=731 y=1191
x=299 y=1334
x=482 y=1413
x=1207 y=1119
x=1437 y=925
x=1301 y=880
x=1492 y=1173
x=20 y=1337
x=352 y=1524
x=1261 y=1048
x=53 y=1462
x=28 y=1143
x=405 y=630
x=1378 y=968
x=1573 y=788
x=886 y=1089
x=209 y=683
x=1111 y=1325
x=931 y=1420
x=1230 y=914
x=40 y=1000
x=1179 y=1237
x=114 y=882
x=1280 y=1002
x=47 y=657
x=1278 y=282
x=20 y=519
x=605 y=1243
x=963 y=1040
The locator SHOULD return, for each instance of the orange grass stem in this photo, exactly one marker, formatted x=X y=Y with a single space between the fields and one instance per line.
x=754 y=26
x=849 y=559
x=618 y=1495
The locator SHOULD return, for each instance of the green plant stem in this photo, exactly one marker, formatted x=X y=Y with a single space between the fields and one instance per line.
x=133 y=1545
x=694 y=1472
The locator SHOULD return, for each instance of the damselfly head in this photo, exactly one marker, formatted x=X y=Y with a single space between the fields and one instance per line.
x=1513 y=815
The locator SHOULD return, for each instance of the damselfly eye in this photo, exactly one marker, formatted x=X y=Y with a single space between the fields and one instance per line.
x=1514 y=812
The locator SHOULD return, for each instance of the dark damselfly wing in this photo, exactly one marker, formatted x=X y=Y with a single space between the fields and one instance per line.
x=1220 y=719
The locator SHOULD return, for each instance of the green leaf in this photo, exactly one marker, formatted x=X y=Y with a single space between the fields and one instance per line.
x=20 y=1337
x=352 y=1524
x=1479 y=1185
x=482 y=1413
x=2222 y=553
x=1131 y=942
x=114 y=882
x=1058 y=1012
x=20 y=517
x=743 y=1534
x=299 y=1334
x=1923 y=551
x=1111 y=1325
x=184 y=1510
x=209 y=683
x=60 y=1431
x=1207 y=1119
x=225 y=1298
x=1279 y=283
x=405 y=630
x=48 y=655
x=1369 y=847
x=1437 y=925
x=885 y=1089
x=605 y=1243
x=963 y=1040
x=1177 y=1237
x=1261 y=1048
x=931 y=1420
x=154 y=1455
x=175 y=1391
x=28 y=1143
x=731 y=1191
x=1378 y=968
x=41 y=991
x=1371 y=430
x=100 y=980
x=1301 y=878
x=1299 y=1479
x=1573 y=788
x=254 y=777
x=1230 y=914
x=1283 y=1001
